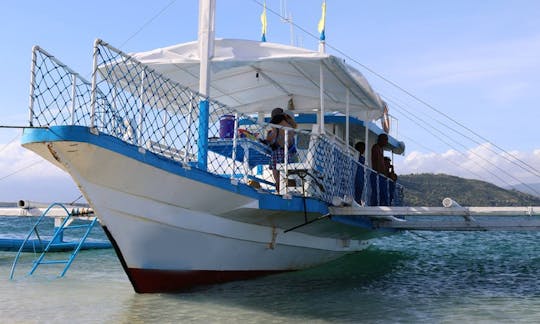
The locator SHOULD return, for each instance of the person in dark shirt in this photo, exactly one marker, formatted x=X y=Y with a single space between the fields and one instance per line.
x=392 y=176
x=378 y=183
x=361 y=148
x=377 y=156
x=389 y=169
x=359 y=179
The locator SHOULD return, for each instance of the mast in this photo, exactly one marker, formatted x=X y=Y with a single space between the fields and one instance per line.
x=322 y=50
x=206 y=35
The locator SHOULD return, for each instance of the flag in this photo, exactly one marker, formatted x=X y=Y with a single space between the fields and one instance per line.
x=322 y=22
x=263 y=23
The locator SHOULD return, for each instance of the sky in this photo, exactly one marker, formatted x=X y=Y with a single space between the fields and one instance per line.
x=446 y=68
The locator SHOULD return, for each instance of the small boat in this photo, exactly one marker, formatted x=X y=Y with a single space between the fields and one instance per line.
x=168 y=147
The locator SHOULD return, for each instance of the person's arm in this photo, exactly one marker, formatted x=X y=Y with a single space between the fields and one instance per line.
x=271 y=136
x=291 y=121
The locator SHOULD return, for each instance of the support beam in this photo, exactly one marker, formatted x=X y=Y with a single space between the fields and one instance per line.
x=441 y=218
x=375 y=211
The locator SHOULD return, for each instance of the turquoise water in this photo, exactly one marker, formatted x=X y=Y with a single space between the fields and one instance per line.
x=436 y=278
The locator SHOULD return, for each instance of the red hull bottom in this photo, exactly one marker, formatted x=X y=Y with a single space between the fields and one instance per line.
x=162 y=281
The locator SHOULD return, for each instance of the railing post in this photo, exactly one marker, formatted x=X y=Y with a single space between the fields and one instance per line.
x=32 y=85
x=234 y=146
x=139 y=137
x=94 y=84
x=286 y=160
x=365 y=195
x=116 y=126
x=378 y=190
x=388 y=191
x=188 y=135
x=202 y=143
x=164 y=127
x=73 y=98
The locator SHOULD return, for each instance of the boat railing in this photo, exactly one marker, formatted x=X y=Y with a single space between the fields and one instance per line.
x=58 y=95
x=137 y=104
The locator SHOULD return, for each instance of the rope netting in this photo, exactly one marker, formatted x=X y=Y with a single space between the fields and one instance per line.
x=58 y=96
x=146 y=109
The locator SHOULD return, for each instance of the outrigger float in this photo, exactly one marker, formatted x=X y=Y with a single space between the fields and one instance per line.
x=38 y=238
x=37 y=241
x=181 y=182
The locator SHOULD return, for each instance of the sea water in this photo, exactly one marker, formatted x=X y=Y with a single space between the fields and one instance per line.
x=432 y=277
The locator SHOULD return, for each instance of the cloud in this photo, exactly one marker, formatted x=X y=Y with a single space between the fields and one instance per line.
x=482 y=162
x=25 y=175
x=26 y=164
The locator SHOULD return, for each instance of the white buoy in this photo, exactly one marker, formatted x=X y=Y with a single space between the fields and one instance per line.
x=449 y=203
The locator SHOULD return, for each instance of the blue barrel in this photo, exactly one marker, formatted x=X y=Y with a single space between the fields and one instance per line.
x=226 y=126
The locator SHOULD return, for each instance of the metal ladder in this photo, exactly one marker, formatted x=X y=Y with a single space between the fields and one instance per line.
x=56 y=241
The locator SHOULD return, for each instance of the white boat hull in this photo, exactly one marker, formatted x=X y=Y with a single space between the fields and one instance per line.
x=173 y=232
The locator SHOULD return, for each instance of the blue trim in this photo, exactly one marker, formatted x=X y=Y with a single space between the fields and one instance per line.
x=82 y=134
x=274 y=202
x=202 y=143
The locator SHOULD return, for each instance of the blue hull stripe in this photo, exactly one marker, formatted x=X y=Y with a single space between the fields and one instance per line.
x=82 y=134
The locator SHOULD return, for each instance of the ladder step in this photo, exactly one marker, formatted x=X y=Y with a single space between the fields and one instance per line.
x=76 y=226
x=64 y=244
x=54 y=261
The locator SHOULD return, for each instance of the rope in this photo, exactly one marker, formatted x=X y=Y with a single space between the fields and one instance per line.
x=12 y=140
x=452 y=162
x=74 y=201
x=21 y=169
x=422 y=124
x=148 y=22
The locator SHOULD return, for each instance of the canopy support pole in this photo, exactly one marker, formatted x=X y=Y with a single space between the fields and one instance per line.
x=321 y=95
x=347 y=114
x=206 y=51
x=368 y=148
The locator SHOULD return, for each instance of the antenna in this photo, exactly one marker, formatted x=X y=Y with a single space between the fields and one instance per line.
x=286 y=17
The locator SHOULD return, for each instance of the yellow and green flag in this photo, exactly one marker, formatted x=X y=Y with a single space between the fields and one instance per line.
x=263 y=23
x=322 y=22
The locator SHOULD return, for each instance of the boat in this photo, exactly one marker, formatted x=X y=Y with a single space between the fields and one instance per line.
x=167 y=146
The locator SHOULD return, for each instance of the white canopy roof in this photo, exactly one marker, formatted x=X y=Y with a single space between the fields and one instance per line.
x=253 y=76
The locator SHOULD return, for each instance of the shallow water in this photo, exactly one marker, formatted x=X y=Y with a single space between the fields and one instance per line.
x=430 y=277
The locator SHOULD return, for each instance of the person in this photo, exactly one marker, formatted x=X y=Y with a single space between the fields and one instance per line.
x=361 y=148
x=378 y=196
x=377 y=156
x=359 y=179
x=276 y=139
x=289 y=117
x=392 y=176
